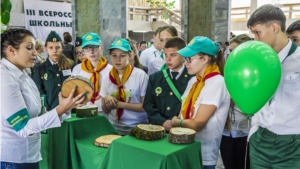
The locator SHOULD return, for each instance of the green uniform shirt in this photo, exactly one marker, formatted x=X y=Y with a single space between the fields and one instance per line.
x=163 y=105
x=51 y=83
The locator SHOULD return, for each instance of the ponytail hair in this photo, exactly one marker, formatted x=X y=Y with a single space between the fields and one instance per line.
x=218 y=59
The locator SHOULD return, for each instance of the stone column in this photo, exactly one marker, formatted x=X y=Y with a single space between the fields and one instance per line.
x=210 y=18
x=108 y=18
x=113 y=20
x=85 y=17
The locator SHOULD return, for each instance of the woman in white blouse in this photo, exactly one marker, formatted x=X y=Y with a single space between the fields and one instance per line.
x=21 y=104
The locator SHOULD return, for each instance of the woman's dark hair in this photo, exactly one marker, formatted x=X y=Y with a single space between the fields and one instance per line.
x=171 y=29
x=63 y=62
x=68 y=38
x=13 y=37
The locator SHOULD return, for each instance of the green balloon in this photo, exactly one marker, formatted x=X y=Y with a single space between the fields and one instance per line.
x=252 y=75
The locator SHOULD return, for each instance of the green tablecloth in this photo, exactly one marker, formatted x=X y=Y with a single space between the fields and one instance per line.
x=71 y=145
x=131 y=153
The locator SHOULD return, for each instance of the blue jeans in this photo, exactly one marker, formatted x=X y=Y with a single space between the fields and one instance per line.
x=8 y=165
x=209 y=167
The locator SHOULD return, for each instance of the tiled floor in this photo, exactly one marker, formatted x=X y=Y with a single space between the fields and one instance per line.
x=220 y=163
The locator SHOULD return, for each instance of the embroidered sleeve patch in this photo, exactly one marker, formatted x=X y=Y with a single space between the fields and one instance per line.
x=19 y=120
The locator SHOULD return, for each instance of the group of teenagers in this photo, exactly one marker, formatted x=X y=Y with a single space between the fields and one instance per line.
x=172 y=84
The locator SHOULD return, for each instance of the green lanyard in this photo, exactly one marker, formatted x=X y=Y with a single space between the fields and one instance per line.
x=170 y=83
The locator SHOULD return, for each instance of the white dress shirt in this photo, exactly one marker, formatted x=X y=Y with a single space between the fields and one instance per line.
x=282 y=115
x=179 y=72
x=135 y=88
x=237 y=119
x=156 y=64
x=148 y=55
x=104 y=72
x=18 y=91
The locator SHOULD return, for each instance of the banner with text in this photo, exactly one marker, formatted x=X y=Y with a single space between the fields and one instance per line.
x=41 y=17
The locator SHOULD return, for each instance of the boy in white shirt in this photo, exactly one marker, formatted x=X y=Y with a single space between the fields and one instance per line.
x=275 y=133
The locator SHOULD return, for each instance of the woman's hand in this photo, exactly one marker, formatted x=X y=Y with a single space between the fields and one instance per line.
x=110 y=102
x=70 y=102
x=175 y=121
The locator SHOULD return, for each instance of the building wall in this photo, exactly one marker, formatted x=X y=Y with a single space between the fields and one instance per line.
x=87 y=16
x=142 y=3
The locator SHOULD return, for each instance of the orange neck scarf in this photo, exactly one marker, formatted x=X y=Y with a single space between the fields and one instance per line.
x=87 y=66
x=186 y=110
x=115 y=79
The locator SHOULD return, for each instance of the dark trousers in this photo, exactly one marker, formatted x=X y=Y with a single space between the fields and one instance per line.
x=271 y=151
x=8 y=165
x=233 y=152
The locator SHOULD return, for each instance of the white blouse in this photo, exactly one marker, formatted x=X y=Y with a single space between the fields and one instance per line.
x=104 y=72
x=135 y=88
x=19 y=92
x=214 y=93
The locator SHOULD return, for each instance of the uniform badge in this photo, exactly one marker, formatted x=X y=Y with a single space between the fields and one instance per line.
x=158 y=91
x=77 y=43
x=119 y=42
x=89 y=37
x=191 y=42
x=45 y=76
x=185 y=75
x=54 y=40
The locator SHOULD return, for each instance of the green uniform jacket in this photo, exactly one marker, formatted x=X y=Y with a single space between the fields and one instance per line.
x=51 y=83
x=164 y=106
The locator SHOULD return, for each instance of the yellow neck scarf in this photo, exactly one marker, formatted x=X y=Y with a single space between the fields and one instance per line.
x=186 y=110
x=87 y=66
x=115 y=79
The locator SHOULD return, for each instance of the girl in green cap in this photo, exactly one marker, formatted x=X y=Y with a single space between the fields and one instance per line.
x=123 y=94
x=205 y=102
x=94 y=67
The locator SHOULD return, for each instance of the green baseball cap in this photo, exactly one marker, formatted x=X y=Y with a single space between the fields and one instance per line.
x=90 y=39
x=53 y=37
x=121 y=44
x=199 y=44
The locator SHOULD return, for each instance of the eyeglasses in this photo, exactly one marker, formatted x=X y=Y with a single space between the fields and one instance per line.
x=91 y=48
x=79 y=53
x=189 y=59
